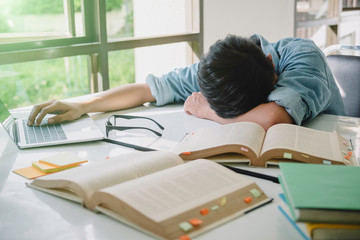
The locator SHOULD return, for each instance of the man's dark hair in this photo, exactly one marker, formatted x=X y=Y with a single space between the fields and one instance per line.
x=235 y=76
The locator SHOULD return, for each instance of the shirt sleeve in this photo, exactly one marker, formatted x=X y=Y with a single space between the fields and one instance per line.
x=174 y=86
x=303 y=85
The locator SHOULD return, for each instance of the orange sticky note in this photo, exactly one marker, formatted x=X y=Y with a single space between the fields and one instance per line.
x=347 y=157
x=195 y=222
x=186 y=153
x=30 y=172
x=204 y=211
x=247 y=200
x=349 y=153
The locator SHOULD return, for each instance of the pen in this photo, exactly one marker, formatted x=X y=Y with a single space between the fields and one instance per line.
x=136 y=147
x=253 y=174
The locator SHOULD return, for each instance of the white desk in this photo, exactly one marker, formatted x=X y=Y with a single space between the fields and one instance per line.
x=28 y=214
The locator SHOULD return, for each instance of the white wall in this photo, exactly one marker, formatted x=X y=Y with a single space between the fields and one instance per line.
x=274 y=19
x=156 y=18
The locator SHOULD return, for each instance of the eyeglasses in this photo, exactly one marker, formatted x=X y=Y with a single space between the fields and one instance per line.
x=112 y=126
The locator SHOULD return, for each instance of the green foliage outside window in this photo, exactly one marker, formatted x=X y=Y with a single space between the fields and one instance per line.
x=34 y=82
x=49 y=6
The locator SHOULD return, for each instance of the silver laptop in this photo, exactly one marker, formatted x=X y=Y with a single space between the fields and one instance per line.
x=81 y=130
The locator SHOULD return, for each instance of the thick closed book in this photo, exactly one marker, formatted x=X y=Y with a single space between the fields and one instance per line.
x=249 y=142
x=322 y=193
x=322 y=231
x=158 y=193
x=298 y=226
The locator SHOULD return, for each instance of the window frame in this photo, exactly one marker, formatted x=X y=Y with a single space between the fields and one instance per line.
x=95 y=43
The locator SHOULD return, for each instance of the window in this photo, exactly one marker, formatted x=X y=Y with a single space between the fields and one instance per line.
x=28 y=82
x=26 y=20
x=66 y=48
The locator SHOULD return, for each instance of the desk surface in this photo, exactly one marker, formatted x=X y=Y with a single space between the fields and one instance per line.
x=29 y=214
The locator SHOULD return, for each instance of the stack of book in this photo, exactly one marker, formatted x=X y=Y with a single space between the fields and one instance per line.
x=323 y=197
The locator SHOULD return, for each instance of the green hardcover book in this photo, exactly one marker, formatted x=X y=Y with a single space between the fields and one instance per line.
x=322 y=193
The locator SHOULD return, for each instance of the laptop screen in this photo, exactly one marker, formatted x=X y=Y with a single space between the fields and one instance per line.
x=7 y=120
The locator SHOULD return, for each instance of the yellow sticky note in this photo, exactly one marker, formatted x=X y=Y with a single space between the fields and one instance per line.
x=65 y=159
x=48 y=168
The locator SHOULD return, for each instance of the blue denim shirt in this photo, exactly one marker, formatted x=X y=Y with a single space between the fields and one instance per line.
x=305 y=86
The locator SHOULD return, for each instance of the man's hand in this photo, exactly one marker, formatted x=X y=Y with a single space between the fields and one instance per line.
x=66 y=111
x=122 y=97
x=197 y=105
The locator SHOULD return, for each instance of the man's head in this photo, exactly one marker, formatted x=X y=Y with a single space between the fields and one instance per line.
x=235 y=76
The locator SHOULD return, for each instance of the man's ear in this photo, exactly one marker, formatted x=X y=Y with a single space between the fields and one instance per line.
x=276 y=76
x=270 y=58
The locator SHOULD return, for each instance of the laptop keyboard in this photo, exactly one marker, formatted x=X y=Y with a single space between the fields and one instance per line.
x=43 y=133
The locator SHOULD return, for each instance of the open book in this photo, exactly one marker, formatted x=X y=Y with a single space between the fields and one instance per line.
x=157 y=192
x=282 y=142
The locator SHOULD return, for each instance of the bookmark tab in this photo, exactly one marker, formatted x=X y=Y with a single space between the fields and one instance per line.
x=326 y=162
x=255 y=193
x=247 y=200
x=215 y=207
x=195 y=222
x=186 y=153
x=185 y=226
x=184 y=237
x=223 y=201
x=287 y=155
x=204 y=211
x=244 y=149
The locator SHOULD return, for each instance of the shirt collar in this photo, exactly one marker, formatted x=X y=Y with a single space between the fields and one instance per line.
x=268 y=48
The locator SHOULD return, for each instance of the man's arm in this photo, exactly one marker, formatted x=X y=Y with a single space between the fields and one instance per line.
x=266 y=114
x=122 y=97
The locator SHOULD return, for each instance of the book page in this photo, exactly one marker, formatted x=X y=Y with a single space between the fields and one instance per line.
x=190 y=184
x=313 y=142
x=244 y=133
x=105 y=173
